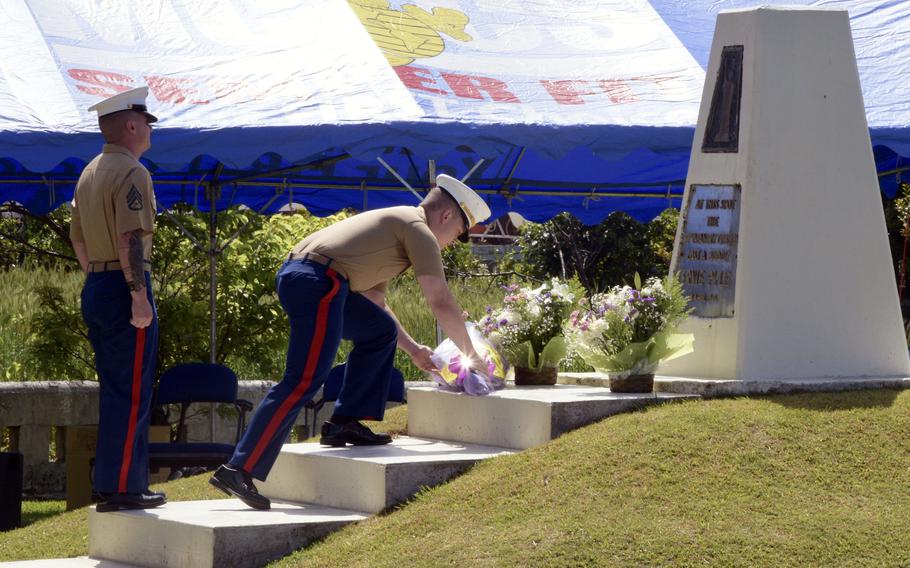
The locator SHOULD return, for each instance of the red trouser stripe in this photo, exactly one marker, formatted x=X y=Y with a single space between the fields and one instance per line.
x=134 y=410
x=315 y=349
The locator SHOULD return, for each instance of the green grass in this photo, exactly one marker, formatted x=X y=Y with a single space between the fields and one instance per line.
x=51 y=532
x=798 y=480
x=801 y=480
x=18 y=307
x=33 y=511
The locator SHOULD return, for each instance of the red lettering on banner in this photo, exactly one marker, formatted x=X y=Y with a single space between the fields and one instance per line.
x=618 y=90
x=223 y=90
x=470 y=87
x=171 y=90
x=416 y=78
x=658 y=80
x=568 y=92
x=102 y=83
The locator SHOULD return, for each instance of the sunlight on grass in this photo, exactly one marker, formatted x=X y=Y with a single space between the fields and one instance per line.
x=815 y=479
x=798 y=480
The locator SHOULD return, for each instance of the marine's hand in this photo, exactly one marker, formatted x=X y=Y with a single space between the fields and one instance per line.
x=142 y=310
x=421 y=358
x=479 y=366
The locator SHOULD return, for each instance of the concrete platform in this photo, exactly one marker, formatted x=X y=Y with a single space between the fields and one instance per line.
x=517 y=417
x=368 y=478
x=203 y=534
x=78 y=562
x=723 y=387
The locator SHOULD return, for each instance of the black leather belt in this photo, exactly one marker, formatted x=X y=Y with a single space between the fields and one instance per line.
x=106 y=265
x=312 y=256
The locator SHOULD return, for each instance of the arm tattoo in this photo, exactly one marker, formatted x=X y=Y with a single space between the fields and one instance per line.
x=137 y=270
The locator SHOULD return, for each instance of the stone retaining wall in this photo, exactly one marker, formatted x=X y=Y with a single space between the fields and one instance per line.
x=31 y=412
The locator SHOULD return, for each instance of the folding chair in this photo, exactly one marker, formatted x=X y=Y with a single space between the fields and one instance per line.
x=186 y=384
x=332 y=387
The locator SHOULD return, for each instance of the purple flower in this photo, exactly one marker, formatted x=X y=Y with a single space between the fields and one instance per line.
x=455 y=365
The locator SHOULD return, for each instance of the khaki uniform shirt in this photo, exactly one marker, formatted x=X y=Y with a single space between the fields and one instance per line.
x=114 y=195
x=373 y=247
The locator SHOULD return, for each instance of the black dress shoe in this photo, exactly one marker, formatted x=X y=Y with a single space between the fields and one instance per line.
x=125 y=501
x=353 y=433
x=98 y=497
x=239 y=483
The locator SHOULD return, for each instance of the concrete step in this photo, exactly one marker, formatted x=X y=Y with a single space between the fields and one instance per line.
x=203 y=534
x=517 y=417
x=368 y=478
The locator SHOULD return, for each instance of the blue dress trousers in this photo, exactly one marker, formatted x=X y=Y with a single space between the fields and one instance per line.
x=322 y=310
x=125 y=362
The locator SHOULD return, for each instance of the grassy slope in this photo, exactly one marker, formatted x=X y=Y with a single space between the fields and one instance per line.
x=807 y=480
x=803 y=480
x=48 y=533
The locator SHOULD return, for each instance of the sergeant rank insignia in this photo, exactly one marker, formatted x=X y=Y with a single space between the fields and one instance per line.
x=134 y=199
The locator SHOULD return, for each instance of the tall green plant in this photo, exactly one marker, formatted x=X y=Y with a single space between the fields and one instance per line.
x=246 y=302
x=20 y=312
x=29 y=239
x=600 y=256
x=60 y=346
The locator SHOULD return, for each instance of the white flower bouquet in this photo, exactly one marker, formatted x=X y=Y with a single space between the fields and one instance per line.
x=528 y=328
x=629 y=331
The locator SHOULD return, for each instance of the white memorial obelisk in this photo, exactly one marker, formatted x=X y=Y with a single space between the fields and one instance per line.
x=782 y=240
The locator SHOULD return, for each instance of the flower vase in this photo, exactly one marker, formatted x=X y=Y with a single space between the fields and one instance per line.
x=643 y=383
x=528 y=376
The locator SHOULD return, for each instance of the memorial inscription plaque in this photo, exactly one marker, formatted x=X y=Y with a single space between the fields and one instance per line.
x=706 y=265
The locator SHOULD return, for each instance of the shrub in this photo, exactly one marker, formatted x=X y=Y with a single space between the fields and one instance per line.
x=600 y=256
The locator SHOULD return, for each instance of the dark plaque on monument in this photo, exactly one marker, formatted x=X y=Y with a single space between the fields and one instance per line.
x=706 y=264
x=722 y=129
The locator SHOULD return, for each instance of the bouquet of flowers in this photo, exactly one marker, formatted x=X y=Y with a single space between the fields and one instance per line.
x=455 y=373
x=629 y=331
x=528 y=328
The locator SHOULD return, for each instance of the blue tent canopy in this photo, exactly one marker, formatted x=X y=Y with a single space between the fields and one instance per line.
x=589 y=110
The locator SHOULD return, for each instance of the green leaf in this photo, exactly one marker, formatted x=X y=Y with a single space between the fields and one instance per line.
x=637 y=281
x=553 y=352
x=520 y=354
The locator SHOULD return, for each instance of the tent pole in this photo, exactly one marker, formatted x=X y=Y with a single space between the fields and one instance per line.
x=472 y=170
x=213 y=188
x=399 y=178
x=514 y=167
x=214 y=191
x=213 y=278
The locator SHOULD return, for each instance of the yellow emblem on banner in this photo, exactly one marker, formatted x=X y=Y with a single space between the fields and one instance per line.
x=411 y=32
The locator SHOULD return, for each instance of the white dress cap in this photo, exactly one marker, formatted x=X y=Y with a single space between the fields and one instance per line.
x=134 y=99
x=472 y=205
